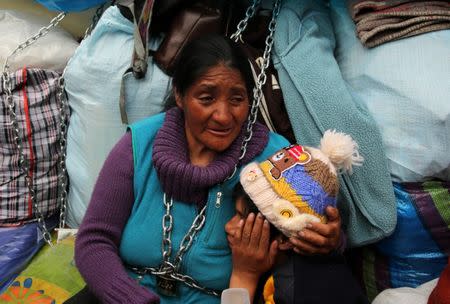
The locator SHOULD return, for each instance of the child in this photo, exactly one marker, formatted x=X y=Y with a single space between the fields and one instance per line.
x=291 y=189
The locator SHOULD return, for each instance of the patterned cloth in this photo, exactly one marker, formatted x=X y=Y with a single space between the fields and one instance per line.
x=35 y=98
x=418 y=250
x=51 y=277
x=18 y=245
x=378 y=22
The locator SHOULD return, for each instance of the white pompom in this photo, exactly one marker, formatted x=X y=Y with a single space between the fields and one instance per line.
x=341 y=149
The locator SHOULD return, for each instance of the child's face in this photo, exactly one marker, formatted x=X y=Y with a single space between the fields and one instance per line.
x=241 y=213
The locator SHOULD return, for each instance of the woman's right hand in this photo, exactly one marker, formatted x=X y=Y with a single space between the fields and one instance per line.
x=319 y=238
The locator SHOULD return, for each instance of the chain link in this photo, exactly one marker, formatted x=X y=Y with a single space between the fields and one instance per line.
x=261 y=80
x=167 y=274
x=167 y=224
x=167 y=269
x=186 y=242
x=42 y=32
x=24 y=164
x=242 y=25
x=64 y=113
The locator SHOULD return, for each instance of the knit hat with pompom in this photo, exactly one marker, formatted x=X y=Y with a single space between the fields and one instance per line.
x=294 y=186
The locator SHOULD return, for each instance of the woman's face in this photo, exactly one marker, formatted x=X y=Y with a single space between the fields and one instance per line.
x=215 y=108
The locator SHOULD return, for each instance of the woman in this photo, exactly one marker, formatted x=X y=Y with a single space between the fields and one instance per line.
x=162 y=177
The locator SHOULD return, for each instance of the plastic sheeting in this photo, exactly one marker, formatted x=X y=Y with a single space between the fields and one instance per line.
x=18 y=245
x=49 y=52
x=406 y=295
x=417 y=251
x=405 y=86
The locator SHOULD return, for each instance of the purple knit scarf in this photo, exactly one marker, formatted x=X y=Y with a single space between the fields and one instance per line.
x=189 y=183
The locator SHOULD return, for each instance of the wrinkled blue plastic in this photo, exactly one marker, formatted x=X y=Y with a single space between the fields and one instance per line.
x=17 y=246
x=414 y=257
x=70 y=5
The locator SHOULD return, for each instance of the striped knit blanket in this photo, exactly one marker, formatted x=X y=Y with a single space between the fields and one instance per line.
x=379 y=21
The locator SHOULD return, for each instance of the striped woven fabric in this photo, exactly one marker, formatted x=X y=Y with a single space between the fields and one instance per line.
x=34 y=95
x=418 y=250
x=432 y=202
x=378 y=22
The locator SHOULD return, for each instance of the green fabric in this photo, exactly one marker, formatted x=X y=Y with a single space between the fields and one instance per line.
x=441 y=199
x=51 y=277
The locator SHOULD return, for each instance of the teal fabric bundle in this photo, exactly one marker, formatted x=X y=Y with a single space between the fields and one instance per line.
x=317 y=99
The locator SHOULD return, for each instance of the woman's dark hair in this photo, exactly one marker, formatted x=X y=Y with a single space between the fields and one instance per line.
x=203 y=53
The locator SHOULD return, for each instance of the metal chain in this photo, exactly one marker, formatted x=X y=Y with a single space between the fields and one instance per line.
x=186 y=242
x=64 y=117
x=64 y=112
x=42 y=32
x=262 y=77
x=242 y=25
x=185 y=279
x=167 y=224
x=167 y=269
x=24 y=163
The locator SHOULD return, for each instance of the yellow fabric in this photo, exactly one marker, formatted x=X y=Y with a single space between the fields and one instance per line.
x=284 y=190
x=269 y=291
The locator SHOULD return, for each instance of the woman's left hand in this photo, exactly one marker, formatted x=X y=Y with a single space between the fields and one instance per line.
x=318 y=238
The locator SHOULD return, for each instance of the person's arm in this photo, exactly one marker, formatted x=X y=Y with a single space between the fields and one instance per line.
x=320 y=238
x=252 y=252
x=98 y=239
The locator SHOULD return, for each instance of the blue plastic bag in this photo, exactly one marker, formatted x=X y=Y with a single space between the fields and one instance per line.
x=18 y=244
x=70 y=5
